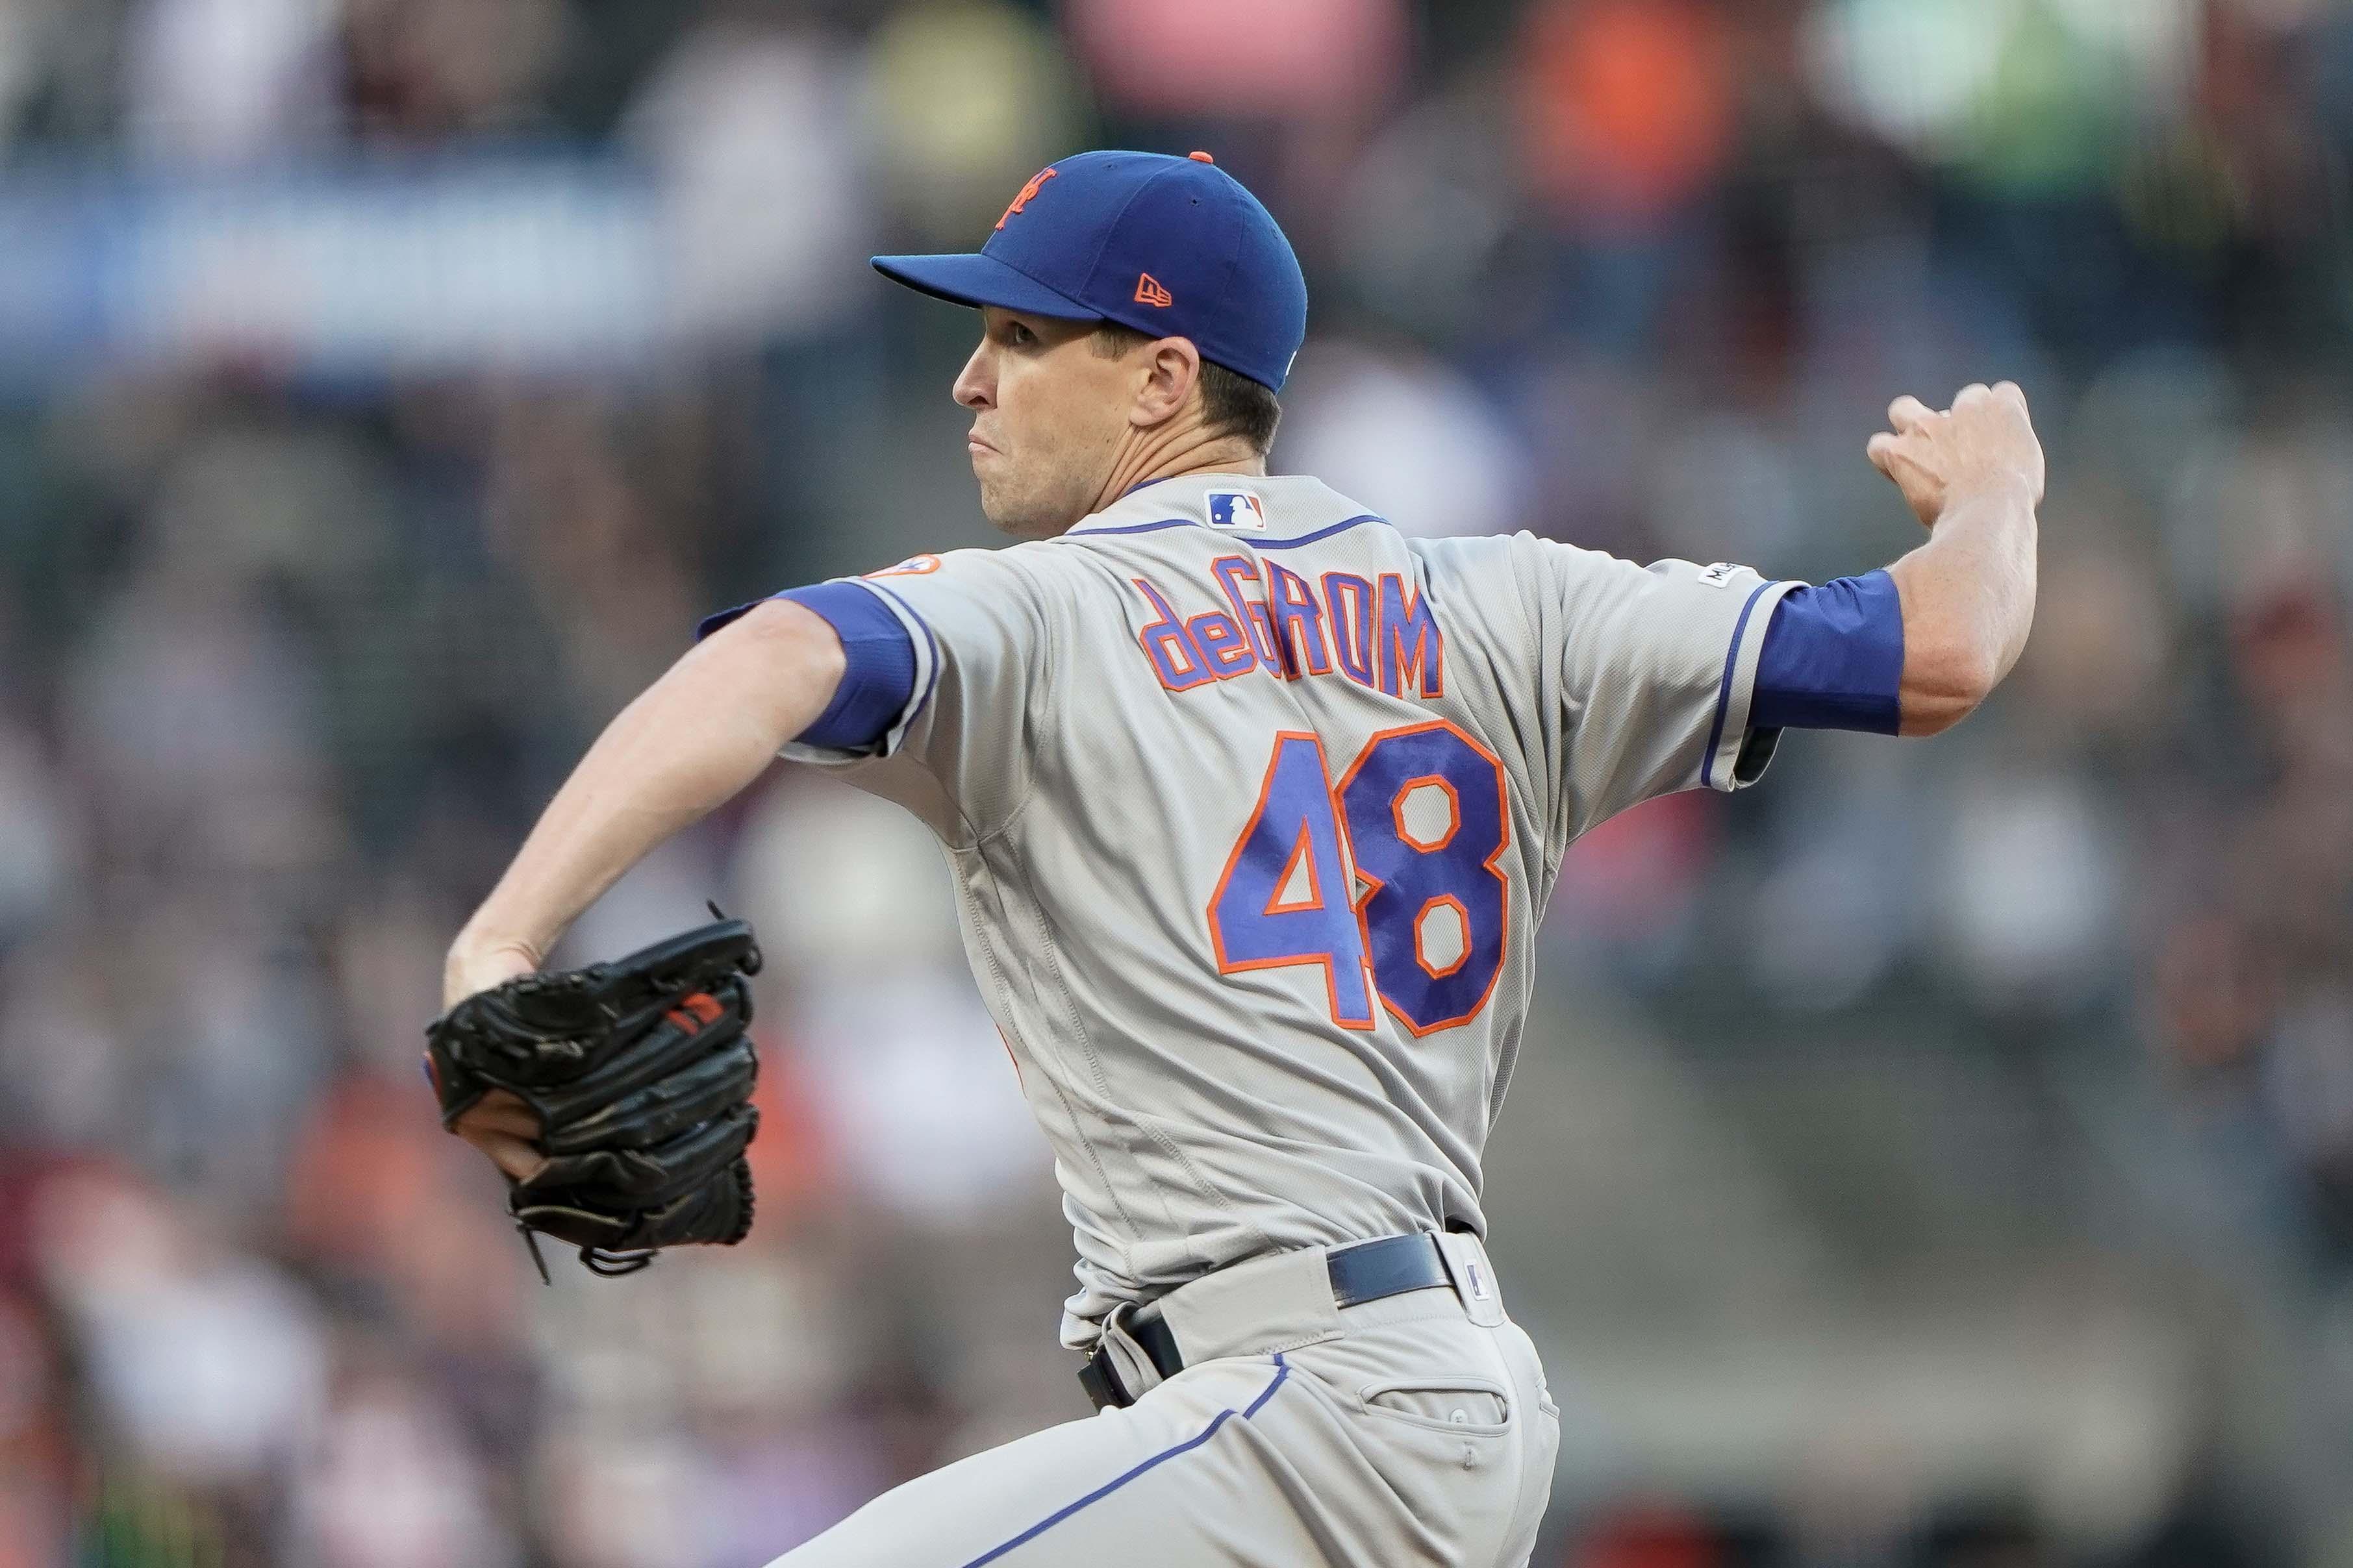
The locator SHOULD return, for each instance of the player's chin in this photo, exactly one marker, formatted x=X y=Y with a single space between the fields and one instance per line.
x=1010 y=511
x=1020 y=525
x=995 y=504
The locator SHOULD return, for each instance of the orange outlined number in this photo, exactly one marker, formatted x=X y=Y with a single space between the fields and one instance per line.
x=1283 y=898
x=1421 y=821
x=1439 y=914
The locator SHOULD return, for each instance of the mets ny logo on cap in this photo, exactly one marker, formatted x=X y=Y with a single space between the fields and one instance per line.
x=1028 y=192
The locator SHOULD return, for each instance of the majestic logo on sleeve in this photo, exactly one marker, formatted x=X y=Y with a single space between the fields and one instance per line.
x=1029 y=191
x=1240 y=510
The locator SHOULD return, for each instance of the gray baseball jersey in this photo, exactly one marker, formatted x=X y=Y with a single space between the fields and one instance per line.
x=1252 y=803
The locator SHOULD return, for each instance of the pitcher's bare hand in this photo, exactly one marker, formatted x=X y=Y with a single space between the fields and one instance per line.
x=1985 y=441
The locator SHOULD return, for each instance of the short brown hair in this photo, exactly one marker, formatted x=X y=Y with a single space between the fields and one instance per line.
x=1232 y=402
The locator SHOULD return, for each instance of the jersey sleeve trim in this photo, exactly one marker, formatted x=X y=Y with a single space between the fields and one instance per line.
x=877 y=676
x=1719 y=764
x=1833 y=659
x=884 y=737
x=927 y=662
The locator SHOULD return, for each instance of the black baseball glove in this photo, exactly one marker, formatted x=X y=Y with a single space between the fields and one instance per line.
x=641 y=1077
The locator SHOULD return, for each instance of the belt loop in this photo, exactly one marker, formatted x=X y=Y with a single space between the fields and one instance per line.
x=1278 y=1301
x=1474 y=1276
x=1129 y=1365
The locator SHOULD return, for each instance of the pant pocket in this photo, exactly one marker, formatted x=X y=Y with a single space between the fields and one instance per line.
x=1460 y=1403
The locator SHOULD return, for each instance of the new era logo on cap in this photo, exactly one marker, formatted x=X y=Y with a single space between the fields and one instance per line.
x=1237 y=509
x=1148 y=291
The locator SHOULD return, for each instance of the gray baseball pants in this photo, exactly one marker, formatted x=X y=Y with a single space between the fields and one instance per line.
x=1414 y=1430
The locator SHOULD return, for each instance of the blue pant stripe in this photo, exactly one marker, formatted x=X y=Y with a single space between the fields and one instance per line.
x=1282 y=1371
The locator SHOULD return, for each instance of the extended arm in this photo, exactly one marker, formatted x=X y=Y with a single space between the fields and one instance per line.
x=1974 y=477
x=706 y=729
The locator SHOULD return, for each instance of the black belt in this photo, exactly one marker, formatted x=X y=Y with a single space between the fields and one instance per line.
x=1364 y=1271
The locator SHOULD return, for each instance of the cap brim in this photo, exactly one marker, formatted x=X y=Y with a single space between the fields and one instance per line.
x=976 y=279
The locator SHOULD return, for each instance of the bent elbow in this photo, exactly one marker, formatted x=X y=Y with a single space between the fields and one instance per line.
x=1933 y=716
x=1948 y=689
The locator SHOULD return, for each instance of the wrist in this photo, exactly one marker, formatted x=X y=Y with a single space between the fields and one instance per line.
x=2007 y=488
x=1998 y=495
x=479 y=960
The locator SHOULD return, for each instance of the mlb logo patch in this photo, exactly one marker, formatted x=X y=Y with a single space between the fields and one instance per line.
x=1238 y=510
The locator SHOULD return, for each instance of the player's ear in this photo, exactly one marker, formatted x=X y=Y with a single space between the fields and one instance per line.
x=1172 y=369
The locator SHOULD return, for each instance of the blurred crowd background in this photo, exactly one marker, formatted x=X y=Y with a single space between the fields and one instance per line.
x=1941 y=1155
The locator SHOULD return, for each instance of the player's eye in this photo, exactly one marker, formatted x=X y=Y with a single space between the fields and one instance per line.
x=1019 y=335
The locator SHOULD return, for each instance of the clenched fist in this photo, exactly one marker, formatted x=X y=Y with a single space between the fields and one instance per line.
x=1984 y=442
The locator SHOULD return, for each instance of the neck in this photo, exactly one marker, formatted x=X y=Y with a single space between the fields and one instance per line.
x=1148 y=457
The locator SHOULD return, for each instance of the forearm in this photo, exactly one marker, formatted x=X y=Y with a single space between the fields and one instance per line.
x=687 y=744
x=1969 y=601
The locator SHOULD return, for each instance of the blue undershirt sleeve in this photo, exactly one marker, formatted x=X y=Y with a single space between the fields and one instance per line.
x=1833 y=659
x=878 y=678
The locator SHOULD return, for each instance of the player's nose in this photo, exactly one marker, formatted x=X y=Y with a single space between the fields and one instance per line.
x=976 y=384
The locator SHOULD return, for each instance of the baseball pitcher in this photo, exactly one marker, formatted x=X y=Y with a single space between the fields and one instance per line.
x=1252 y=803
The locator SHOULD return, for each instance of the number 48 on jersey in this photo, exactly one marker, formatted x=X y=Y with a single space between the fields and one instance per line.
x=1289 y=895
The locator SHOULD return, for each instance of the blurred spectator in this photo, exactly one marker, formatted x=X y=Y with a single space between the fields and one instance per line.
x=231 y=81
x=389 y=1484
x=420 y=70
x=35 y=1449
x=1626 y=103
x=1407 y=435
x=745 y=124
x=904 y=1066
x=1307 y=60
x=964 y=102
x=211 y=1368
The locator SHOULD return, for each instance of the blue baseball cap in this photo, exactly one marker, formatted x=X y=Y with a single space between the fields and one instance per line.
x=1171 y=247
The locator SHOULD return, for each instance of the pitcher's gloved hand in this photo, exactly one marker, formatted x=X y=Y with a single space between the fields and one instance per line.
x=637 y=1076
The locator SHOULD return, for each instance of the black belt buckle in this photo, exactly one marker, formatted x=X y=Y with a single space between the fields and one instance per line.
x=1102 y=1388
x=1100 y=1378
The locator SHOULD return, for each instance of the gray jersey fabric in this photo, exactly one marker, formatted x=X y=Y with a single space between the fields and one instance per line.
x=1252 y=803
